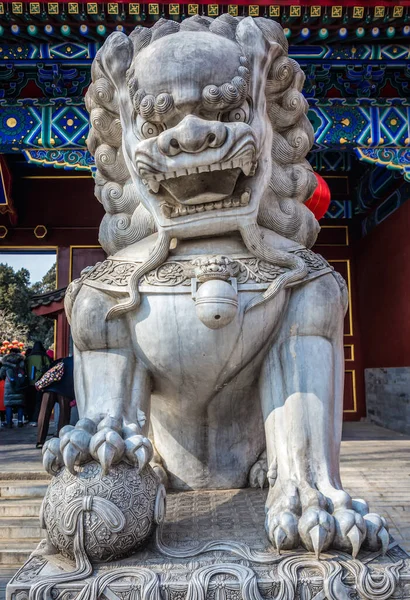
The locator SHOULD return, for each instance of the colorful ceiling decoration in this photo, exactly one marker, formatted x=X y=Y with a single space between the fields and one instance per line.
x=79 y=160
x=86 y=50
x=372 y=20
x=360 y=122
x=392 y=158
x=64 y=70
x=62 y=123
x=355 y=56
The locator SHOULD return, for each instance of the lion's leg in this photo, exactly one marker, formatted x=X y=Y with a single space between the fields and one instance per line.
x=112 y=383
x=302 y=394
x=112 y=387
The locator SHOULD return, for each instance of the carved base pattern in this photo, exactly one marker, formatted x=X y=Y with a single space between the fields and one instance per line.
x=213 y=547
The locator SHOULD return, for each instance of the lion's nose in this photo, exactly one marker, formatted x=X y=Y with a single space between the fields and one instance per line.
x=192 y=135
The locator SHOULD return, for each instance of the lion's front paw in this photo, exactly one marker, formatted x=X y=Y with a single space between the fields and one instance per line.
x=108 y=443
x=321 y=521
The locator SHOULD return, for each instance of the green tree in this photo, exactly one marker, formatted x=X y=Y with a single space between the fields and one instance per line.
x=47 y=284
x=15 y=298
x=11 y=330
x=14 y=292
x=41 y=328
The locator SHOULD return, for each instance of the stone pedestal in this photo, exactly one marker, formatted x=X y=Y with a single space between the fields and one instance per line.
x=212 y=546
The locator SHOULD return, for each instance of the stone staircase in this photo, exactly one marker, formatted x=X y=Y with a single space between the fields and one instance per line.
x=20 y=531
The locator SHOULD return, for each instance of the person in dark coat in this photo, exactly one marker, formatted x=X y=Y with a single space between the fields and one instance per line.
x=61 y=392
x=13 y=372
x=37 y=363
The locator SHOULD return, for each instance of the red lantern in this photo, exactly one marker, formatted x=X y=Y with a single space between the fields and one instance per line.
x=319 y=202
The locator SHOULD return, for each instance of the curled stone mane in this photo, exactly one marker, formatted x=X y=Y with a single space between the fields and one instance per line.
x=126 y=220
x=292 y=180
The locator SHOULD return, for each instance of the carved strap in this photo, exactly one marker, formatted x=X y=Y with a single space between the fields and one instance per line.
x=109 y=513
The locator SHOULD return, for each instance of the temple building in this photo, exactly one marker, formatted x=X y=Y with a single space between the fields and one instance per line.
x=356 y=58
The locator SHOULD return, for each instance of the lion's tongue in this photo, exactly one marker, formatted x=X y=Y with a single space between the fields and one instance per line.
x=200 y=188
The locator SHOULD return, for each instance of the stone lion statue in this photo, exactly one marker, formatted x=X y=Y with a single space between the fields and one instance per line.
x=212 y=328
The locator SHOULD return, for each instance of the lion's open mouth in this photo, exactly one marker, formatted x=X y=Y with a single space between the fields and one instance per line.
x=203 y=188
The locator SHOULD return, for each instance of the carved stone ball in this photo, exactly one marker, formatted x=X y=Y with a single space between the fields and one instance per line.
x=125 y=495
x=216 y=303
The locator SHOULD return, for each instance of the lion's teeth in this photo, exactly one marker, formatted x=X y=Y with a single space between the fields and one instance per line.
x=245 y=198
x=199 y=208
x=227 y=203
x=204 y=169
x=216 y=167
x=209 y=206
x=218 y=204
x=153 y=185
x=247 y=168
x=167 y=210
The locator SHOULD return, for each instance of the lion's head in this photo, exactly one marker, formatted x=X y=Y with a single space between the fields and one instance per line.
x=213 y=131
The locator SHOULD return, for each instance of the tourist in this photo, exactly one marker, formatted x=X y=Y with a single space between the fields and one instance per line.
x=14 y=373
x=37 y=363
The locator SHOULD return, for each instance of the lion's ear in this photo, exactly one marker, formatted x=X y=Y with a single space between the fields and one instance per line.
x=259 y=51
x=115 y=58
x=260 y=54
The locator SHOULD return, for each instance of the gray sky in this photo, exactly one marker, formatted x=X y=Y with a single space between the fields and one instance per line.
x=37 y=264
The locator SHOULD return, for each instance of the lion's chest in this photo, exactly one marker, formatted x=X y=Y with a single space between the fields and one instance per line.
x=184 y=354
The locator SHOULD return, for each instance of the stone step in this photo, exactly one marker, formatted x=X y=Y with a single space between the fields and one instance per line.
x=14 y=553
x=25 y=475
x=17 y=507
x=22 y=489
x=22 y=528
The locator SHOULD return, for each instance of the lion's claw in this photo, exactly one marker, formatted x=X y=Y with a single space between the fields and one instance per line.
x=377 y=533
x=107 y=447
x=350 y=531
x=52 y=457
x=316 y=530
x=282 y=530
x=138 y=450
x=74 y=446
x=75 y=442
x=258 y=472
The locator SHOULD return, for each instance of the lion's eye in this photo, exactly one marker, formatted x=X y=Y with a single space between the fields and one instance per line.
x=150 y=130
x=238 y=115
